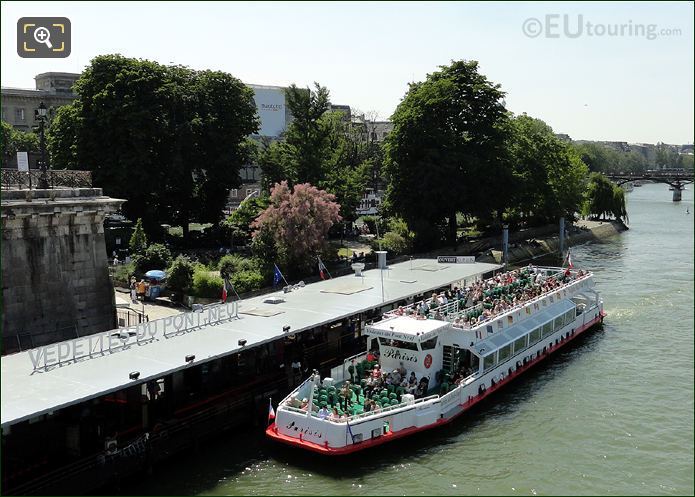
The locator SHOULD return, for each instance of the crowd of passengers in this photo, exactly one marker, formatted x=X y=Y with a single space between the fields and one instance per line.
x=486 y=299
x=372 y=388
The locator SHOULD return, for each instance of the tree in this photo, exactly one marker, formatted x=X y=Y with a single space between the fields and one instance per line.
x=156 y=256
x=238 y=224
x=444 y=151
x=14 y=141
x=138 y=240
x=61 y=137
x=175 y=137
x=322 y=148
x=549 y=176
x=605 y=199
x=296 y=223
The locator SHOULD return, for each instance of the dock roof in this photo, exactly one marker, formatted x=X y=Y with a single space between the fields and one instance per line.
x=27 y=393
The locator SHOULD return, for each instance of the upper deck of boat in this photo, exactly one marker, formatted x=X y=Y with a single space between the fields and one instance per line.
x=482 y=302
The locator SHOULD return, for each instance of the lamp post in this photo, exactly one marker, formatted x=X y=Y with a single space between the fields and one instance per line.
x=41 y=115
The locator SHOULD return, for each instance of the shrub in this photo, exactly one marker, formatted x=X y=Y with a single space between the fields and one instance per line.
x=234 y=263
x=157 y=256
x=206 y=285
x=371 y=221
x=180 y=274
x=247 y=280
x=122 y=273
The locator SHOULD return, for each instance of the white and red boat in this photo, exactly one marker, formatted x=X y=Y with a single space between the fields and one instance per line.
x=460 y=349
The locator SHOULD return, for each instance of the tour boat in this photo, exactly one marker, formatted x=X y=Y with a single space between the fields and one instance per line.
x=460 y=353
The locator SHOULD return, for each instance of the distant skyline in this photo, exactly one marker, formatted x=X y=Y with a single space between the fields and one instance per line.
x=626 y=76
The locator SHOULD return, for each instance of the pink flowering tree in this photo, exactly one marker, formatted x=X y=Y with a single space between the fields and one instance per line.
x=293 y=229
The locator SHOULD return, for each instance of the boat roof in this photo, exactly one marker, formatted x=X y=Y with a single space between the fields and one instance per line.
x=27 y=393
x=407 y=328
x=498 y=339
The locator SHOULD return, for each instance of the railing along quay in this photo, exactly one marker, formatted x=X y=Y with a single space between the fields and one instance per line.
x=22 y=180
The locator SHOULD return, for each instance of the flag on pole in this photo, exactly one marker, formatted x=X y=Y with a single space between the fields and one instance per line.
x=226 y=287
x=323 y=271
x=568 y=260
x=271 y=411
x=277 y=275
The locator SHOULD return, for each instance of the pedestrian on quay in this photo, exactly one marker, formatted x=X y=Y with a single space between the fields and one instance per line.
x=133 y=289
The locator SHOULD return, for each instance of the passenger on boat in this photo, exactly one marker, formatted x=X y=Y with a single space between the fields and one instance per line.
x=323 y=413
x=422 y=387
x=294 y=401
x=401 y=370
x=305 y=404
x=334 y=415
x=372 y=356
x=412 y=383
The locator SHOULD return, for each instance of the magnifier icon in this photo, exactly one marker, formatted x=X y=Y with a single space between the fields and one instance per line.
x=43 y=35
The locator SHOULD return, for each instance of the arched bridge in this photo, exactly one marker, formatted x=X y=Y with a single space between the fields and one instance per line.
x=675 y=178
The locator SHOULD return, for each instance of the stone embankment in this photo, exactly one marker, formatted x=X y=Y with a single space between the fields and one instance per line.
x=531 y=248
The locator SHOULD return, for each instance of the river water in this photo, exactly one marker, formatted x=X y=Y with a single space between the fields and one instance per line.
x=612 y=415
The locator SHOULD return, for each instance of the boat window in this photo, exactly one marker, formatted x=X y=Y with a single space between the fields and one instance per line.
x=569 y=316
x=535 y=335
x=397 y=343
x=559 y=322
x=547 y=328
x=505 y=352
x=429 y=344
x=489 y=361
x=519 y=344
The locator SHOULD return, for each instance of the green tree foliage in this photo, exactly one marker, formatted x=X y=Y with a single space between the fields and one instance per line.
x=603 y=158
x=605 y=199
x=234 y=263
x=238 y=224
x=156 y=256
x=138 y=240
x=293 y=228
x=180 y=274
x=549 y=177
x=206 y=285
x=14 y=141
x=61 y=137
x=322 y=148
x=170 y=140
x=397 y=240
x=444 y=150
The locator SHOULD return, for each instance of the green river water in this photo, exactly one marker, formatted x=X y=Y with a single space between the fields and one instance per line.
x=611 y=415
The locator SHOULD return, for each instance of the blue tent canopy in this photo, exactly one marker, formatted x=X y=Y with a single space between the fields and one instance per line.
x=156 y=274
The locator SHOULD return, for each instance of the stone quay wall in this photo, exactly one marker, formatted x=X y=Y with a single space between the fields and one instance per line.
x=55 y=278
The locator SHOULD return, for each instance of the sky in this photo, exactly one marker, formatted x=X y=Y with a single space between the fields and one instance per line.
x=618 y=71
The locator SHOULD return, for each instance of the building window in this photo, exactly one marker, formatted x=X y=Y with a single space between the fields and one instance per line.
x=19 y=115
x=234 y=193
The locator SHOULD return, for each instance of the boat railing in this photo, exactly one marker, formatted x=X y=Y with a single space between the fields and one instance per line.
x=340 y=372
x=386 y=410
x=457 y=307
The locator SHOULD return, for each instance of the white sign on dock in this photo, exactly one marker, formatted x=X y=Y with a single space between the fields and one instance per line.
x=456 y=259
x=22 y=161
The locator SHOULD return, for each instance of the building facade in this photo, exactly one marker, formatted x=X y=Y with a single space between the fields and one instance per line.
x=54 y=89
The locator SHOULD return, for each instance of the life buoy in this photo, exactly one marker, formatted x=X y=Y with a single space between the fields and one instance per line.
x=428 y=361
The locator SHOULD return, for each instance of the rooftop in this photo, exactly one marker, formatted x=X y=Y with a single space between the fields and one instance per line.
x=28 y=393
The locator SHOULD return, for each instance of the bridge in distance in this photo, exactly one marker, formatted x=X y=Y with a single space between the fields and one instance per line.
x=675 y=178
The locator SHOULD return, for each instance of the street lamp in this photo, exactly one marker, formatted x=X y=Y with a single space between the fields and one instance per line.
x=41 y=116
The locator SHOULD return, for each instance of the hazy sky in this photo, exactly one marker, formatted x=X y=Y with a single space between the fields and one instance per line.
x=592 y=84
